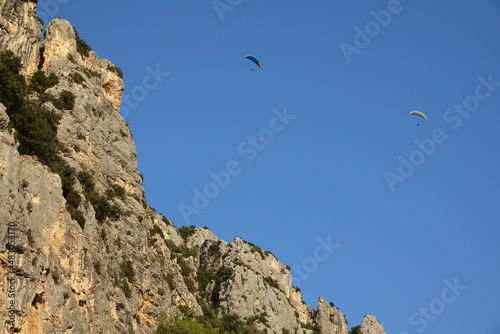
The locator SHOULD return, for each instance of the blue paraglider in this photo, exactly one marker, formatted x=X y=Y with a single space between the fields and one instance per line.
x=254 y=60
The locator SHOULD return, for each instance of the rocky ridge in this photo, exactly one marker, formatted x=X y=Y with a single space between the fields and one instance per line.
x=371 y=325
x=123 y=264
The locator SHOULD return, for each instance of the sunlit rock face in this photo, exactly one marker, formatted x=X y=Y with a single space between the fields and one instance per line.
x=21 y=32
x=61 y=53
x=371 y=325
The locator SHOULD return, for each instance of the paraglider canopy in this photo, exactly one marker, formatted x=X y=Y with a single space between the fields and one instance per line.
x=418 y=113
x=254 y=60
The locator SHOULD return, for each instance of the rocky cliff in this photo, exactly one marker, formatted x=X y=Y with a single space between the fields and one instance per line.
x=84 y=252
x=21 y=31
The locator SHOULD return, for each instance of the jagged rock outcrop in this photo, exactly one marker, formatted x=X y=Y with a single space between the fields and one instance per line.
x=330 y=319
x=99 y=259
x=21 y=32
x=259 y=284
x=371 y=325
x=61 y=54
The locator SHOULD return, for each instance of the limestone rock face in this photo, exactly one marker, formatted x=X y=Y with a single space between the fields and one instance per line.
x=371 y=325
x=99 y=136
x=61 y=54
x=330 y=319
x=70 y=279
x=4 y=118
x=119 y=273
x=59 y=43
x=259 y=284
x=21 y=32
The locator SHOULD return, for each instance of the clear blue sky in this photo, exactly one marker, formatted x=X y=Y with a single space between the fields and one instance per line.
x=323 y=172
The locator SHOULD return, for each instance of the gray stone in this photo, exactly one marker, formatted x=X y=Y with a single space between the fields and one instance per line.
x=330 y=319
x=21 y=32
x=4 y=118
x=371 y=325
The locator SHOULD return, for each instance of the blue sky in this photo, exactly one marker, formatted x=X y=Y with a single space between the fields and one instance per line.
x=415 y=227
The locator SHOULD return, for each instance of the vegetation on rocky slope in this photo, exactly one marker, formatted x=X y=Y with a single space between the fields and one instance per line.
x=228 y=324
x=36 y=127
x=36 y=132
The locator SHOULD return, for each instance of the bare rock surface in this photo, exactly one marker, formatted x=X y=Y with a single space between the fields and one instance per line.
x=330 y=319
x=4 y=118
x=21 y=32
x=371 y=325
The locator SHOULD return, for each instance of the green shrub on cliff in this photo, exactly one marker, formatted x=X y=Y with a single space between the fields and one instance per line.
x=12 y=84
x=81 y=46
x=40 y=82
x=36 y=128
x=66 y=100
